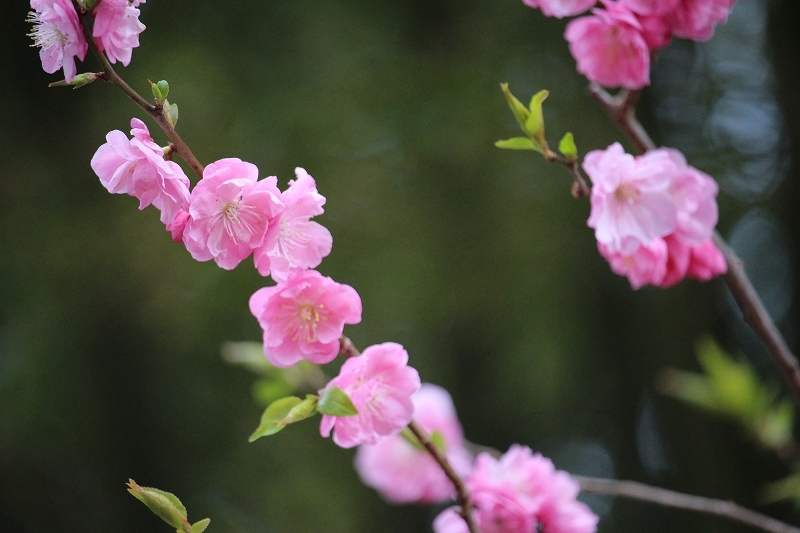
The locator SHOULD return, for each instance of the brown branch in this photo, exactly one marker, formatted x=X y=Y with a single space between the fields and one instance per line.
x=669 y=498
x=621 y=109
x=462 y=494
x=756 y=315
x=111 y=76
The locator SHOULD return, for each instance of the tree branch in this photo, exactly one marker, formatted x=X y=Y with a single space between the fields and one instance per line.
x=669 y=498
x=110 y=75
x=462 y=494
x=621 y=109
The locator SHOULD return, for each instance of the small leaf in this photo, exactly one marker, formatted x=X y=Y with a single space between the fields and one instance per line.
x=270 y=420
x=78 y=81
x=173 y=114
x=335 y=402
x=301 y=411
x=157 y=92
x=517 y=143
x=438 y=439
x=200 y=525
x=520 y=112
x=164 y=504
x=567 y=146
x=534 y=126
x=163 y=88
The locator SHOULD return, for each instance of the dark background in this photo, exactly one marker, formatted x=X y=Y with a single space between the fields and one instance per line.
x=477 y=260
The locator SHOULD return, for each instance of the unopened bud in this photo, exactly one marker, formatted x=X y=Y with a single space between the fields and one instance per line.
x=79 y=81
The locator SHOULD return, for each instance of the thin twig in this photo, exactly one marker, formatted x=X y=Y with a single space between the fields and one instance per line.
x=669 y=498
x=580 y=189
x=347 y=348
x=621 y=109
x=111 y=76
x=462 y=494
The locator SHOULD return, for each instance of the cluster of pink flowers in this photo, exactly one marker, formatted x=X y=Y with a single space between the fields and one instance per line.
x=403 y=473
x=521 y=492
x=653 y=216
x=58 y=32
x=613 y=46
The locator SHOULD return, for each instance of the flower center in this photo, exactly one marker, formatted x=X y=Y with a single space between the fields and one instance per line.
x=306 y=318
x=45 y=34
x=626 y=192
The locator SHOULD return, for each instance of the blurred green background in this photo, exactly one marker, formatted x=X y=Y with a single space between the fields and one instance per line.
x=477 y=260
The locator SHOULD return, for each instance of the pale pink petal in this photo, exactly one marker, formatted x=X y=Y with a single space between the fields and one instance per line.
x=561 y=8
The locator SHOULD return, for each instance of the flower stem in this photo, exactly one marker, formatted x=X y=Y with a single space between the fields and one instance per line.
x=462 y=494
x=621 y=109
x=110 y=75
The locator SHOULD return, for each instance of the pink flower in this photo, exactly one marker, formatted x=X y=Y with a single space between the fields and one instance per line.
x=678 y=257
x=631 y=204
x=695 y=19
x=520 y=493
x=561 y=8
x=137 y=167
x=304 y=317
x=402 y=473
x=116 y=29
x=560 y=512
x=300 y=244
x=381 y=384
x=230 y=212
x=57 y=31
x=707 y=262
x=695 y=195
x=609 y=47
x=651 y=7
x=178 y=225
x=647 y=265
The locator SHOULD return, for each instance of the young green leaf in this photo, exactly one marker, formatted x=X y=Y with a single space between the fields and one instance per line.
x=517 y=143
x=164 y=504
x=272 y=417
x=534 y=126
x=520 y=112
x=335 y=402
x=567 y=146
x=200 y=525
x=301 y=411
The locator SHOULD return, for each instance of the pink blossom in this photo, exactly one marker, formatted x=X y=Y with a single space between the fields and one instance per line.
x=561 y=8
x=116 y=29
x=695 y=195
x=631 y=204
x=402 y=473
x=303 y=317
x=651 y=7
x=137 y=167
x=178 y=225
x=678 y=257
x=560 y=511
x=609 y=47
x=381 y=384
x=57 y=31
x=695 y=19
x=707 y=262
x=299 y=244
x=647 y=265
x=519 y=493
x=230 y=212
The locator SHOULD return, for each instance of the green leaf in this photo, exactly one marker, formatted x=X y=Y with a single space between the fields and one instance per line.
x=335 y=402
x=520 y=112
x=248 y=354
x=517 y=143
x=163 y=88
x=567 y=146
x=534 y=126
x=301 y=411
x=272 y=417
x=164 y=504
x=784 y=489
x=172 y=116
x=438 y=439
x=157 y=92
x=200 y=525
